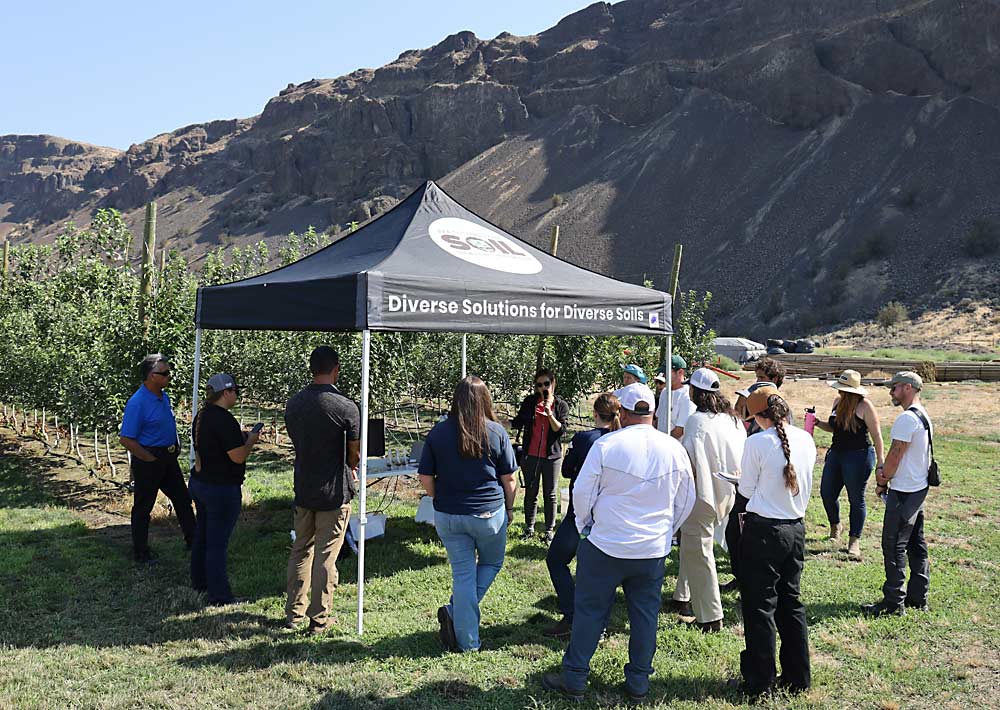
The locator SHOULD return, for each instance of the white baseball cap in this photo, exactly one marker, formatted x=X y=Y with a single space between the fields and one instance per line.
x=704 y=379
x=634 y=396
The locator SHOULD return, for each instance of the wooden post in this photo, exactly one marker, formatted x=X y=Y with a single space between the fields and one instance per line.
x=148 y=254
x=540 y=349
x=6 y=261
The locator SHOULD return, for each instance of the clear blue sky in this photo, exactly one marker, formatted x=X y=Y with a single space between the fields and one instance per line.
x=115 y=73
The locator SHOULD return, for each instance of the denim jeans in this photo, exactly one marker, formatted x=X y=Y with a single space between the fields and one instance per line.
x=851 y=468
x=218 y=507
x=599 y=577
x=561 y=553
x=476 y=547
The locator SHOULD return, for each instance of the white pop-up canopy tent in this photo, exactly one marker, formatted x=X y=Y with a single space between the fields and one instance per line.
x=429 y=264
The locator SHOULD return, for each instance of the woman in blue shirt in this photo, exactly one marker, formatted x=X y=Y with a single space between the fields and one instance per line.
x=563 y=548
x=467 y=467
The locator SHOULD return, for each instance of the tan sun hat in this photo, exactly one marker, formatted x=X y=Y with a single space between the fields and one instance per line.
x=850 y=381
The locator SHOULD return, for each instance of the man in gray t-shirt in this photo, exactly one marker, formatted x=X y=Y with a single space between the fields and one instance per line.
x=324 y=426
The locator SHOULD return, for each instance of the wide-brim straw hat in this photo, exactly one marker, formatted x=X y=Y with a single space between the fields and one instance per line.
x=849 y=381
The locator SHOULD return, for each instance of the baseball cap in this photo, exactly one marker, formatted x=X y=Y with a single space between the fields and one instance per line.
x=757 y=401
x=220 y=382
x=678 y=363
x=906 y=377
x=660 y=377
x=634 y=369
x=754 y=387
x=704 y=379
x=637 y=398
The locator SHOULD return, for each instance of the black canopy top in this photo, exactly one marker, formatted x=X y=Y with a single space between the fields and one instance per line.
x=430 y=264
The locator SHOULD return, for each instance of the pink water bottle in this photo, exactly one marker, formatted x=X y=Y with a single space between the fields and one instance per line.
x=810 y=424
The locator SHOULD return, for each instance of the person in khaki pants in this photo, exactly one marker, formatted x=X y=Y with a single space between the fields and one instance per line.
x=324 y=426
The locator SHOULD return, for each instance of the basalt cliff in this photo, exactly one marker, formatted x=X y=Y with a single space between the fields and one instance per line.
x=816 y=159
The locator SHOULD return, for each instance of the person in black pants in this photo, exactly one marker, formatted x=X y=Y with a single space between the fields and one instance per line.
x=776 y=480
x=567 y=539
x=149 y=433
x=221 y=450
x=542 y=417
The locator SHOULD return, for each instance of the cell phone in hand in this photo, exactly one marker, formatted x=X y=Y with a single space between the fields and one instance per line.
x=257 y=427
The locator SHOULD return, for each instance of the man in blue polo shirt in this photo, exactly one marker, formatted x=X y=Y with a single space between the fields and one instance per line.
x=149 y=432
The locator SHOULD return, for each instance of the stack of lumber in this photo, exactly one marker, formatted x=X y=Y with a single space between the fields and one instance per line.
x=830 y=366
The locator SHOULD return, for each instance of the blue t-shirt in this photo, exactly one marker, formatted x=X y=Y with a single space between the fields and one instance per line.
x=466 y=486
x=149 y=419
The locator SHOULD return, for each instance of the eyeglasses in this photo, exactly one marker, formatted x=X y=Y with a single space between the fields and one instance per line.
x=539 y=385
x=166 y=374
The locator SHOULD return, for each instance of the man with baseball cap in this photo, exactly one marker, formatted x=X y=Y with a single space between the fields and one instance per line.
x=904 y=480
x=680 y=402
x=634 y=490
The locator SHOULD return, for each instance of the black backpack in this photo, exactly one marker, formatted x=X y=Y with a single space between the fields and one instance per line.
x=933 y=475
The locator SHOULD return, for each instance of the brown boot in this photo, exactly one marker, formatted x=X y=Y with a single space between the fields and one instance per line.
x=561 y=630
x=854 y=548
x=834 y=531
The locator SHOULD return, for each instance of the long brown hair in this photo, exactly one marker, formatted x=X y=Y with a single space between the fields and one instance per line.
x=472 y=407
x=608 y=408
x=777 y=411
x=712 y=402
x=846 y=409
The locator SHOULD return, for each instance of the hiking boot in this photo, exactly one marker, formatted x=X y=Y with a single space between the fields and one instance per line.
x=882 y=609
x=916 y=606
x=834 y=531
x=317 y=630
x=680 y=608
x=710 y=627
x=555 y=683
x=446 y=630
x=854 y=548
x=561 y=630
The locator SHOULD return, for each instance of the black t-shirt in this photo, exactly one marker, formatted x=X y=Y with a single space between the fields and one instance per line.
x=217 y=432
x=320 y=420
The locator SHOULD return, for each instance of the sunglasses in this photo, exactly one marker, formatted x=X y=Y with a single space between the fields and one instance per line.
x=167 y=374
x=539 y=385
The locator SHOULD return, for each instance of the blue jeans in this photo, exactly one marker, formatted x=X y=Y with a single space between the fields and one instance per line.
x=476 y=547
x=599 y=577
x=217 y=508
x=561 y=553
x=851 y=468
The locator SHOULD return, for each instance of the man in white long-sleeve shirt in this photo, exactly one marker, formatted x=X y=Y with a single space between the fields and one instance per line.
x=634 y=490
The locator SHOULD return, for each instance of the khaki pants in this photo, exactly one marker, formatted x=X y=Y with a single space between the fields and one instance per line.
x=697 y=579
x=312 y=565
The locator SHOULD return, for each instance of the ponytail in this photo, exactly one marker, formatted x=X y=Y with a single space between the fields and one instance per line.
x=777 y=412
x=608 y=408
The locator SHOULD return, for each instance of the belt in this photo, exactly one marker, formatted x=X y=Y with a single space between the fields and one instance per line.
x=773 y=521
x=173 y=449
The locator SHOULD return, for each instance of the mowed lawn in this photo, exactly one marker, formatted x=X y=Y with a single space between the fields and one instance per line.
x=81 y=626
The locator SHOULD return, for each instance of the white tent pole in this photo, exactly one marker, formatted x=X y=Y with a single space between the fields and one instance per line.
x=465 y=351
x=366 y=342
x=668 y=373
x=194 y=386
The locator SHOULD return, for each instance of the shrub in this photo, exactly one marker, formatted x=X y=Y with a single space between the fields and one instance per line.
x=891 y=314
x=982 y=240
x=557 y=200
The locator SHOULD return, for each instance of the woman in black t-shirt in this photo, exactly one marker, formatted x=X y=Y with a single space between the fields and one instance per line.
x=221 y=450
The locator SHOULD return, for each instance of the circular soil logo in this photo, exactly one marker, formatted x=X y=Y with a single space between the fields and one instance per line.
x=482 y=246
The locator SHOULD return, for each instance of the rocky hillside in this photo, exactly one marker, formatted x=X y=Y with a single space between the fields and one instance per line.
x=816 y=159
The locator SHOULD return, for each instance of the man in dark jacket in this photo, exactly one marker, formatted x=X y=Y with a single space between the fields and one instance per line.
x=324 y=426
x=542 y=419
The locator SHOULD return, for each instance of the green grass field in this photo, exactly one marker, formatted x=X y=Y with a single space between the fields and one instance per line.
x=80 y=626
x=914 y=354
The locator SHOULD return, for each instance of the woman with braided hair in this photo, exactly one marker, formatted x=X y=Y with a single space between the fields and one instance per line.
x=777 y=473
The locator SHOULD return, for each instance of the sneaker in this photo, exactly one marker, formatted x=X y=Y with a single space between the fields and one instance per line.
x=228 y=602
x=291 y=625
x=710 y=627
x=680 y=608
x=916 y=606
x=317 y=630
x=555 y=683
x=446 y=630
x=882 y=609
x=730 y=586
x=560 y=630
x=550 y=535
x=529 y=535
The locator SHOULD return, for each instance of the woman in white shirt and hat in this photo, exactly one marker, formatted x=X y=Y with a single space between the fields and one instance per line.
x=713 y=438
x=776 y=478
